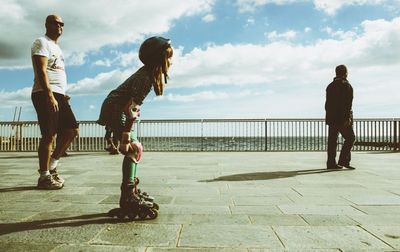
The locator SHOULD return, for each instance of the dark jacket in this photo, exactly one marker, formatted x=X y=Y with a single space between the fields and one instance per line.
x=136 y=87
x=339 y=100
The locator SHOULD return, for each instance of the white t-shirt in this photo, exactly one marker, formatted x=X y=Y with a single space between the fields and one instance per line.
x=46 y=47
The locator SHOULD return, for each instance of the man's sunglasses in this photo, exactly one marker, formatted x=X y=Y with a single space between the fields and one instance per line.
x=59 y=23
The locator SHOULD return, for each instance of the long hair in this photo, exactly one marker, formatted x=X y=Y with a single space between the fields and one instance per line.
x=159 y=72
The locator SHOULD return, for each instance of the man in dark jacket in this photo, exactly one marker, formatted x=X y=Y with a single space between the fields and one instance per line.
x=339 y=118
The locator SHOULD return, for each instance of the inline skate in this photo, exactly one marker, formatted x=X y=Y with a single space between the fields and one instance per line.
x=134 y=204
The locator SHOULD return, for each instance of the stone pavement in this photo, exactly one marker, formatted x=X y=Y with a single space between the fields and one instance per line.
x=208 y=202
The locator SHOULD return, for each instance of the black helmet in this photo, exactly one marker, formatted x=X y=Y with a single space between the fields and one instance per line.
x=151 y=50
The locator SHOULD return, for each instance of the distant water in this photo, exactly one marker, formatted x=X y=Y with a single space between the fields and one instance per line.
x=212 y=144
x=246 y=144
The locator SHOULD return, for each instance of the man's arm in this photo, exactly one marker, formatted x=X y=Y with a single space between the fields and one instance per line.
x=348 y=106
x=40 y=68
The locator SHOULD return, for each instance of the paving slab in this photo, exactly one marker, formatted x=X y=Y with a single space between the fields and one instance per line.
x=330 y=220
x=389 y=234
x=31 y=247
x=97 y=248
x=228 y=236
x=281 y=202
x=139 y=235
x=335 y=237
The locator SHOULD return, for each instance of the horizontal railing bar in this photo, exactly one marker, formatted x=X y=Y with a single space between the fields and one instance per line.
x=229 y=120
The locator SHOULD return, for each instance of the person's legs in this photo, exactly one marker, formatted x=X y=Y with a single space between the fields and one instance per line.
x=67 y=130
x=108 y=139
x=48 y=122
x=128 y=170
x=332 y=145
x=44 y=151
x=349 y=139
x=64 y=140
x=116 y=126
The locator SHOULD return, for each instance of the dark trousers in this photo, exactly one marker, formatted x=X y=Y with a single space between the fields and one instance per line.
x=349 y=139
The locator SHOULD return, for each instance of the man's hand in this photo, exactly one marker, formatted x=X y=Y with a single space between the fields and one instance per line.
x=348 y=123
x=53 y=104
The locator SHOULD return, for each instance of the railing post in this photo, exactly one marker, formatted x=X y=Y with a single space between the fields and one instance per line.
x=20 y=139
x=395 y=136
x=78 y=146
x=202 y=136
x=266 y=135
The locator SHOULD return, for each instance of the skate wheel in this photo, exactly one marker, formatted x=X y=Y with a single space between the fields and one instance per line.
x=121 y=215
x=155 y=206
x=131 y=216
x=152 y=214
x=142 y=214
x=113 y=212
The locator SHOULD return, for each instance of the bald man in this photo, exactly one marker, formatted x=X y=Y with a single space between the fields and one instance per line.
x=51 y=103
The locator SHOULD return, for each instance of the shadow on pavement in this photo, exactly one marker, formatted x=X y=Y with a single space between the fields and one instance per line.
x=382 y=152
x=268 y=175
x=18 y=157
x=19 y=188
x=86 y=219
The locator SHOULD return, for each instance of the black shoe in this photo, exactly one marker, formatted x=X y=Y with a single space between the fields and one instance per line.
x=334 y=167
x=348 y=166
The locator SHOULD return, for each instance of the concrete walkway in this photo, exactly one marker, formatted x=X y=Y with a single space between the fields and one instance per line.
x=208 y=202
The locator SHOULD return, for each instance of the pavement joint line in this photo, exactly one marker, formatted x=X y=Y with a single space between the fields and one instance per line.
x=304 y=219
x=377 y=237
x=277 y=236
x=179 y=235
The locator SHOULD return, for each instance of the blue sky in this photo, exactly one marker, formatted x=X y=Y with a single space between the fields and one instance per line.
x=233 y=59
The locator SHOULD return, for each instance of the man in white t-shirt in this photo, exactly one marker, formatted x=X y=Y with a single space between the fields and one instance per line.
x=51 y=103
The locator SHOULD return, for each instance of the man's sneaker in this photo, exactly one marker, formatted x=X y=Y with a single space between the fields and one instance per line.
x=347 y=165
x=334 y=167
x=48 y=183
x=56 y=176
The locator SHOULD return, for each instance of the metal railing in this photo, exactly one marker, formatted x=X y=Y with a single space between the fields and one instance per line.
x=217 y=135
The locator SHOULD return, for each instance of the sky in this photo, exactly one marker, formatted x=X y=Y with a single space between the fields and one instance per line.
x=232 y=59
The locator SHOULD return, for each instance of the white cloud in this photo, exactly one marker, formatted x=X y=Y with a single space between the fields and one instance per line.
x=101 y=84
x=120 y=60
x=250 y=21
x=288 y=74
x=251 y=5
x=378 y=43
x=208 y=18
x=128 y=59
x=11 y=12
x=19 y=97
x=203 y=96
x=89 y=25
x=330 y=7
x=105 y=62
x=340 y=34
x=274 y=35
